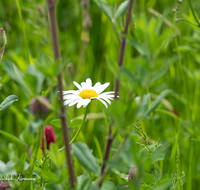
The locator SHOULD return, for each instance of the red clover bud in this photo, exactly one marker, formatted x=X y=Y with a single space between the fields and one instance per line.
x=38 y=108
x=5 y=186
x=49 y=135
x=132 y=173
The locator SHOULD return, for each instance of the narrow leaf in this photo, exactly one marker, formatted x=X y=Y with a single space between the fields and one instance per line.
x=85 y=157
x=156 y=103
x=121 y=9
x=8 y=102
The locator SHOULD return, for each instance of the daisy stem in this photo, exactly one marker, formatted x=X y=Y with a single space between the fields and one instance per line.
x=82 y=124
x=55 y=45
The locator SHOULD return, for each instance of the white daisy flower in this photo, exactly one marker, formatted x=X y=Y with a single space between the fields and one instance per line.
x=86 y=92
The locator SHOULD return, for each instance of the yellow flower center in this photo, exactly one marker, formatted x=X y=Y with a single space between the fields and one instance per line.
x=85 y=94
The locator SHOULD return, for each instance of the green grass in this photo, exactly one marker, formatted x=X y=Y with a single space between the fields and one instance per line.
x=160 y=74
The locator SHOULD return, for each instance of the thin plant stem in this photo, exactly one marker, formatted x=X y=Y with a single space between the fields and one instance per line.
x=120 y=63
x=81 y=127
x=123 y=44
x=23 y=30
x=107 y=168
x=35 y=151
x=108 y=147
x=55 y=44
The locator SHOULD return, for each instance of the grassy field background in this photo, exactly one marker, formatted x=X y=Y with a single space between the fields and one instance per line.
x=162 y=60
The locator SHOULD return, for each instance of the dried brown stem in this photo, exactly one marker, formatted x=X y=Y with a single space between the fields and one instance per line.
x=55 y=44
x=123 y=45
x=120 y=62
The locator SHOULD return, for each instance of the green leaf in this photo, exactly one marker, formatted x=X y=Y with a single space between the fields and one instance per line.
x=31 y=70
x=50 y=176
x=51 y=186
x=11 y=137
x=138 y=46
x=105 y=8
x=83 y=181
x=15 y=74
x=130 y=76
x=52 y=69
x=85 y=157
x=8 y=102
x=142 y=105
x=56 y=122
x=108 y=185
x=156 y=103
x=63 y=175
x=124 y=186
x=7 y=169
x=121 y=9
x=158 y=154
x=54 y=153
x=75 y=123
x=196 y=141
x=164 y=184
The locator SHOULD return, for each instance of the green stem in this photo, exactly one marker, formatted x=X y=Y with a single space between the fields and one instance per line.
x=45 y=159
x=35 y=151
x=80 y=128
x=23 y=30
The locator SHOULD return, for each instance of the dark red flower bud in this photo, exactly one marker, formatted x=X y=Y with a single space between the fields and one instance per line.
x=49 y=135
x=38 y=108
x=5 y=186
x=132 y=173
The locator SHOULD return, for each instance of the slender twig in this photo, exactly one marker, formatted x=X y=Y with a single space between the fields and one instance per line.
x=123 y=45
x=107 y=169
x=108 y=147
x=120 y=62
x=55 y=44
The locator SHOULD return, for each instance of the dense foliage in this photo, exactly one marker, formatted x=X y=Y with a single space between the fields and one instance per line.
x=154 y=123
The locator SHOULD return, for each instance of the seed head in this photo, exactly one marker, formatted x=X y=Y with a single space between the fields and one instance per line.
x=132 y=173
x=38 y=109
x=5 y=186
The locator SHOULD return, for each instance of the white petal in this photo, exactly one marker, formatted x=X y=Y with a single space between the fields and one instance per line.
x=83 y=84
x=71 y=92
x=69 y=101
x=102 y=88
x=105 y=96
x=108 y=93
x=103 y=102
x=70 y=96
x=107 y=100
x=80 y=103
x=74 y=102
x=88 y=83
x=78 y=86
x=86 y=102
x=96 y=86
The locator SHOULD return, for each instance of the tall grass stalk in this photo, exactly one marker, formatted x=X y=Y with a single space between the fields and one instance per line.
x=55 y=44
